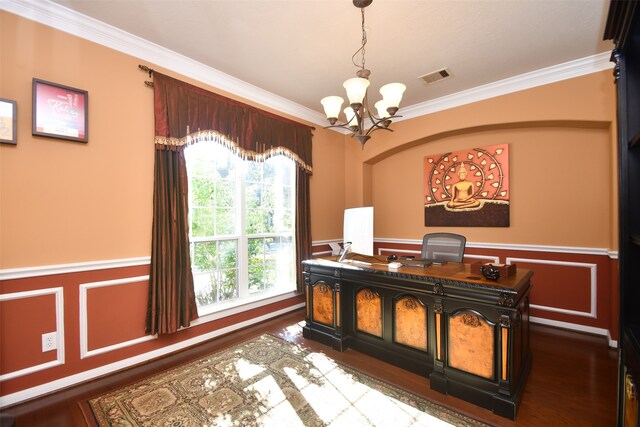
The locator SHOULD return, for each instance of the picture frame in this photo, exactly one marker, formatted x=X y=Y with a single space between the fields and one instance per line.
x=8 y=121
x=468 y=188
x=60 y=111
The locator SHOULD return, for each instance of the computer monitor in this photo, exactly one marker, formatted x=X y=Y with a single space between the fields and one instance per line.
x=358 y=229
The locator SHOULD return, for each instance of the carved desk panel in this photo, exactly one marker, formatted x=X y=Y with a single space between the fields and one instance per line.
x=468 y=335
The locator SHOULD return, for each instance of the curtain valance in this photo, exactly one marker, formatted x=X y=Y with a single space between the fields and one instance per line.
x=185 y=114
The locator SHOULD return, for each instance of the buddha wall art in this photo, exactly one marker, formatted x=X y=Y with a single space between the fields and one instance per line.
x=467 y=188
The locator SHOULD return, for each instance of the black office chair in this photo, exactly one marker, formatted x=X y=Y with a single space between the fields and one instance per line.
x=443 y=246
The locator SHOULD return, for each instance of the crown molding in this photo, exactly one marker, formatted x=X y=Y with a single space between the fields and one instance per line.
x=72 y=22
x=556 y=73
x=69 y=21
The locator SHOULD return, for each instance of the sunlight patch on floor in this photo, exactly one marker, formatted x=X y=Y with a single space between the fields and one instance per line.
x=274 y=404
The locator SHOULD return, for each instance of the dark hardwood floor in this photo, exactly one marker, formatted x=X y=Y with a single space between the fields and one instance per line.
x=573 y=380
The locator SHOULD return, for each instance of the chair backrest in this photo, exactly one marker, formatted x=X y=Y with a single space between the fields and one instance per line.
x=443 y=246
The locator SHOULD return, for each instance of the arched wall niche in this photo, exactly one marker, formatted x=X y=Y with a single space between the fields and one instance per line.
x=560 y=173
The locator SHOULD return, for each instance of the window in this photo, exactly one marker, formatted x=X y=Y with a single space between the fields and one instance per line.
x=241 y=220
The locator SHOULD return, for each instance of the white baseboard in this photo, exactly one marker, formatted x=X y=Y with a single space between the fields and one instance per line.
x=575 y=327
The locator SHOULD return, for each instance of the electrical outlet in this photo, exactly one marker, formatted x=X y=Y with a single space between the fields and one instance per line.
x=49 y=341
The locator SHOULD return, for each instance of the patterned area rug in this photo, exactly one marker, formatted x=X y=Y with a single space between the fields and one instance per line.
x=267 y=381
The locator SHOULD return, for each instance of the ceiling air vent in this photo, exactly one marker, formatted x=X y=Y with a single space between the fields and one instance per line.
x=436 y=76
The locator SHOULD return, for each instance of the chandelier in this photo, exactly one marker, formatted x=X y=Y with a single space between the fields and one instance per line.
x=356 y=88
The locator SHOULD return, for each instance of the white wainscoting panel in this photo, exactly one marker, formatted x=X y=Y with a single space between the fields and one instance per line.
x=84 y=324
x=593 y=285
x=59 y=307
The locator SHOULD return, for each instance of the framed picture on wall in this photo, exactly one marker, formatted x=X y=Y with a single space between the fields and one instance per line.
x=468 y=188
x=8 y=121
x=60 y=111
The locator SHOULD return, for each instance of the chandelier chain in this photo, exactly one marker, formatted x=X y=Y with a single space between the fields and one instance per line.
x=364 y=42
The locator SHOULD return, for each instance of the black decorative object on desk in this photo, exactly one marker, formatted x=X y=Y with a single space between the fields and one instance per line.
x=490 y=272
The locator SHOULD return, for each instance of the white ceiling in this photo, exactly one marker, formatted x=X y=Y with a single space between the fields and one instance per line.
x=301 y=50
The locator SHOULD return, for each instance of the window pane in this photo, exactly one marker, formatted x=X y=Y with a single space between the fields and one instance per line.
x=225 y=194
x=288 y=178
x=225 y=163
x=254 y=221
x=202 y=222
x=202 y=191
x=253 y=193
x=228 y=254
x=269 y=196
x=217 y=208
x=270 y=263
x=256 y=251
x=269 y=169
x=215 y=271
x=267 y=221
x=204 y=256
x=212 y=183
x=287 y=221
x=229 y=285
x=287 y=196
x=199 y=162
x=253 y=172
x=282 y=254
x=225 y=222
x=202 y=286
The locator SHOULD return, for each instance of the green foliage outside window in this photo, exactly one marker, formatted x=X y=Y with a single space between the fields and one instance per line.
x=218 y=260
x=215 y=176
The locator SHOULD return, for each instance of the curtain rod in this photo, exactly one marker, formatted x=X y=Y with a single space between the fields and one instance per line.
x=148 y=70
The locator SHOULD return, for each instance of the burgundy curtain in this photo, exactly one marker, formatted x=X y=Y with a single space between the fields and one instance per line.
x=303 y=225
x=171 y=302
x=186 y=114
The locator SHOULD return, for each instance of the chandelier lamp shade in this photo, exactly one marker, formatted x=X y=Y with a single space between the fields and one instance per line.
x=358 y=109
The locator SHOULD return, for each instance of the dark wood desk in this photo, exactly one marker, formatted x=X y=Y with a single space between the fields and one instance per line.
x=468 y=335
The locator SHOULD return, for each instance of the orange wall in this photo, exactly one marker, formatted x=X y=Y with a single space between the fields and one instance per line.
x=327 y=185
x=560 y=186
x=60 y=198
x=64 y=201
x=563 y=168
x=67 y=202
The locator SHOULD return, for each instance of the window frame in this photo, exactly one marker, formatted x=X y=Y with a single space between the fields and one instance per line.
x=245 y=300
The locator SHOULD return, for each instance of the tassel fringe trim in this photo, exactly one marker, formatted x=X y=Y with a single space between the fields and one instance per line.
x=212 y=136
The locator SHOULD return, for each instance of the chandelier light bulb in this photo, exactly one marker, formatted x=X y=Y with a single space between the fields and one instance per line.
x=381 y=107
x=392 y=94
x=351 y=117
x=356 y=89
x=332 y=106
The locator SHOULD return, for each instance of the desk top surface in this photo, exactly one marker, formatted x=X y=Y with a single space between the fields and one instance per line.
x=451 y=271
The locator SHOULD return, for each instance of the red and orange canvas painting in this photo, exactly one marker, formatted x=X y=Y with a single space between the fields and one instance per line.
x=468 y=188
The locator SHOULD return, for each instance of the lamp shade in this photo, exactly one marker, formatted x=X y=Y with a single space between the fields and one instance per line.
x=381 y=107
x=356 y=89
x=392 y=94
x=351 y=117
x=332 y=105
